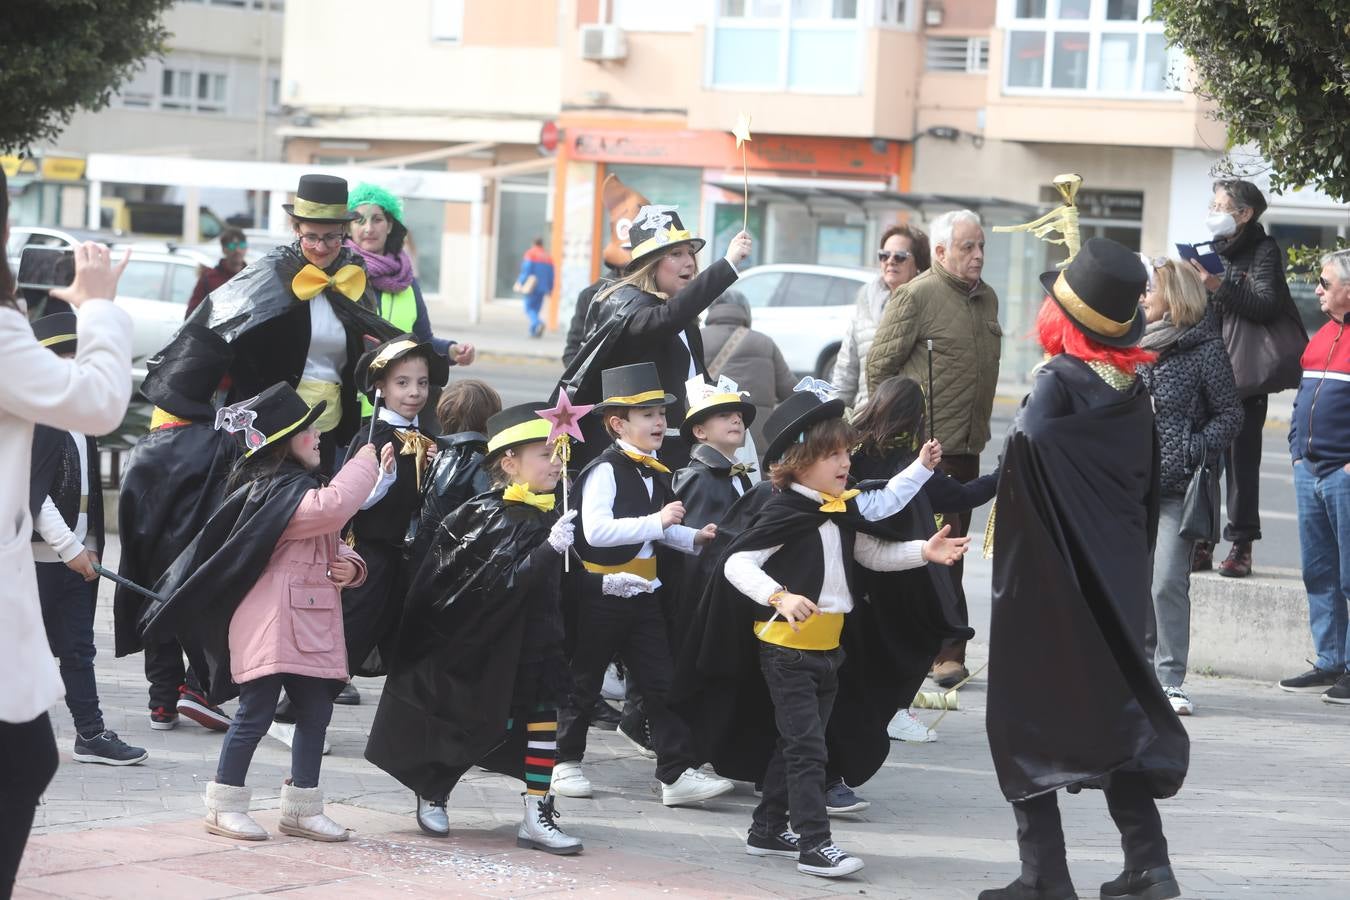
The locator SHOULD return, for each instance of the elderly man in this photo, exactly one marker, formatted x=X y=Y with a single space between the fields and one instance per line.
x=951 y=306
x=1319 y=442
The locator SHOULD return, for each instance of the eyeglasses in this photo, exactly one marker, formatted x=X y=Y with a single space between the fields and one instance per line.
x=1214 y=208
x=897 y=255
x=235 y=245
x=1158 y=262
x=332 y=239
x=1324 y=284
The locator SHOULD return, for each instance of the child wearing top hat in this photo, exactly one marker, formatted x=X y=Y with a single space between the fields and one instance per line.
x=66 y=501
x=626 y=507
x=173 y=481
x=479 y=668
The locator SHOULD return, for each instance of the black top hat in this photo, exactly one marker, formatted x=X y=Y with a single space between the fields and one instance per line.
x=1100 y=291
x=372 y=364
x=182 y=378
x=635 y=385
x=320 y=198
x=656 y=229
x=700 y=410
x=516 y=425
x=272 y=416
x=56 y=332
x=790 y=419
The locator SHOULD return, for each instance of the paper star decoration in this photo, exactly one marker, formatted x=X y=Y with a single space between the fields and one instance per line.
x=565 y=418
x=742 y=129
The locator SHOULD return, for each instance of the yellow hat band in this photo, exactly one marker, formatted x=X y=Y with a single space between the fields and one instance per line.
x=1086 y=315
x=519 y=434
x=56 y=339
x=308 y=209
x=632 y=399
x=716 y=400
x=389 y=352
x=668 y=237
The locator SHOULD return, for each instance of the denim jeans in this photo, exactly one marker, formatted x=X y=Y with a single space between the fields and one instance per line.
x=1170 y=638
x=1323 y=511
x=534 y=303
x=312 y=704
x=68 y=615
x=802 y=685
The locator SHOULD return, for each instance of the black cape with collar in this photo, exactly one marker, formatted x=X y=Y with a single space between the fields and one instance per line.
x=1076 y=518
x=260 y=295
x=720 y=690
x=449 y=691
x=208 y=580
x=174 y=480
x=457 y=476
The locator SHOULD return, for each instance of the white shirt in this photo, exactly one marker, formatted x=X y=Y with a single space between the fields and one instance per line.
x=387 y=479
x=746 y=573
x=60 y=542
x=327 y=343
x=693 y=369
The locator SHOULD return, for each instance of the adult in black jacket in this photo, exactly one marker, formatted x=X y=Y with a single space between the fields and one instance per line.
x=578 y=330
x=1251 y=294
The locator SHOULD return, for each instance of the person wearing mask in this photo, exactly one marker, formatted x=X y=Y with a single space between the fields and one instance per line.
x=903 y=255
x=233 y=248
x=1250 y=294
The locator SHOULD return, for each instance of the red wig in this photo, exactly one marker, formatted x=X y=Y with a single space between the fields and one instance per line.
x=1059 y=335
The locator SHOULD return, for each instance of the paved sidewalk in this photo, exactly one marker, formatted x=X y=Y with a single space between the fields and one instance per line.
x=1266 y=813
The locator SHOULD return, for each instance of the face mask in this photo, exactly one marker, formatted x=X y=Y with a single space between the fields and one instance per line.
x=1221 y=225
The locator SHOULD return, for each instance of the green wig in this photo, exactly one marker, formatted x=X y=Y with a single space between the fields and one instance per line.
x=366 y=192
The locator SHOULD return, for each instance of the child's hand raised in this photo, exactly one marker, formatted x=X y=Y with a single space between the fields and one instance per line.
x=930 y=454
x=387 y=458
x=945 y=550
x=705 y=535
x=341 y=571
x=672 y=514
x=795 y=608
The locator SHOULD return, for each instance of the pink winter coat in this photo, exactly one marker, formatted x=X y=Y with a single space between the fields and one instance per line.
x=291 y=621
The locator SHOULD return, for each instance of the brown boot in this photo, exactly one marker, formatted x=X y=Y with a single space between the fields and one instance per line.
x=949 y=673
x=1239 y=561
x=1203 y=560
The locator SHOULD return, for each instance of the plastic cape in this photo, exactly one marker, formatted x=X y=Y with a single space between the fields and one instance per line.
x=720 y=690
x=1077 y=514
x=447 y=698
x=174 y=480
x=706 y=490
x=457 y=476
x=207 y=582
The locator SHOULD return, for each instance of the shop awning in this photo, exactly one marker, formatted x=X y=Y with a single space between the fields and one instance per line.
x=862 y=195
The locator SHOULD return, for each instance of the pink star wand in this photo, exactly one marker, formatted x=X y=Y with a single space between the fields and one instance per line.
x=564 y=420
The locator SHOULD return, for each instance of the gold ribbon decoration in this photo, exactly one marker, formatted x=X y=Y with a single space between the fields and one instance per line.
x=324 y=212
x=838 y=504
x=309 y=282
x=741 y=469
x=648 y=461
x=519 y=493
x=633 y=399
x=1063 y=219
x=416 y=445
x=1086 y=315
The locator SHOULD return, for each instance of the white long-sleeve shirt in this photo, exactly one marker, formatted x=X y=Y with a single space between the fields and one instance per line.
x=745 y=570
x=60 y=542
x=895 y=496
x=387 y=479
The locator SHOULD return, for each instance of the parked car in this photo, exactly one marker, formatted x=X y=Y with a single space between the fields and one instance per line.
x=21 y=236
x=806 y=309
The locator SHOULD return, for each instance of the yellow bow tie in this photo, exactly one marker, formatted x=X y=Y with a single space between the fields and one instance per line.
x=519 y=493
x=741 y=469
x=838 y=504
x=416 y=445
x=350 y=281
x=648 y=461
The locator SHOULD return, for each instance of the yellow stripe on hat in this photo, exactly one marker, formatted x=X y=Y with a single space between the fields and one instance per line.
x=631 y=399
x=518 y=434
x=1086 y=315
x=280 y=433
x=668 y=237
x=716 y=400
x=56 y=339
x=389 y=352
x=308 y=209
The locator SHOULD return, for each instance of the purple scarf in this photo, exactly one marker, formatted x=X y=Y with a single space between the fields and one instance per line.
x=386 y=273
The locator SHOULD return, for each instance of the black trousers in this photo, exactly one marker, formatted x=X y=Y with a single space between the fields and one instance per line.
x=165 y=671
x=635 y=628
x=963 y=467
x=1040 y=833
x=370 y=613
x=27 y=763
x=1242 y=473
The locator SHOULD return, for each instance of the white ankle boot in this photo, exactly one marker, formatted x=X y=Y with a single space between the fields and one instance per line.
x=227 y=812
x=540 y=831
x=302 y=815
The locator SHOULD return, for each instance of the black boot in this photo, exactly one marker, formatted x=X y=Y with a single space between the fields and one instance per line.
x=1020 y=890
x=1142 y=884
x=604 y=716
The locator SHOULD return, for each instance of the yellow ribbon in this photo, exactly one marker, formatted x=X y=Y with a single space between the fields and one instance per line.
x=632 y=399
x=741 y=469
x=416 y=445
x=309 y=282
x=161 y=419
x=648 y=461
x=519 y=493
x=838 y=504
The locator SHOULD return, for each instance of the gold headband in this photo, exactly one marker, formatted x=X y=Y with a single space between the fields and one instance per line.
x=308 y=209
x=1086 y=315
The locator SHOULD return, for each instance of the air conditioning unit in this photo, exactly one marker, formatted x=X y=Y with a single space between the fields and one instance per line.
x=601 y=43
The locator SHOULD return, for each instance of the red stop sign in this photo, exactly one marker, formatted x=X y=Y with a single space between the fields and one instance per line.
x=548 y=136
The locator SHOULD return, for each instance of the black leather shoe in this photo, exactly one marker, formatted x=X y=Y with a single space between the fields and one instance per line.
x=1144 y=884
x=605 y=717
x=1020 y=890
x=348 y=696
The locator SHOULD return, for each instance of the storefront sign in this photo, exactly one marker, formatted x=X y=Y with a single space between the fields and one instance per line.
x=62 y=168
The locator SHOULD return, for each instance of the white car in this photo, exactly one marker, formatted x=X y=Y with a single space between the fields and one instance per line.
x=806 y=309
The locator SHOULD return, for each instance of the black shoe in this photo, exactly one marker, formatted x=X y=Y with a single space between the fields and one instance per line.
x=1339 y=692
x=348 y=696
x=605 y=717
x=163 y=719
x=783 y=844
x=1020 y=890
x=827 y=861
x=1314 y=680
x=638 y=732
x=1145 y=884
x=840 y=799
x=108 y=749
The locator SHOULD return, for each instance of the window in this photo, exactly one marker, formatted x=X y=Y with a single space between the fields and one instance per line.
x=957 y=54
x=143 y=280
x=1102 y=47
x=810 y=46
x=758 y=289
x=210 y=92
x=894 y=13
x=182 y=279
x=805 y=290
x=447 y=21
x=186 y=84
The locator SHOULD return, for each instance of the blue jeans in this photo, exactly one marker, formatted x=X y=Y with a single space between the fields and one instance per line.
x=534 y=303
x=68 y=615
x=1324 y=538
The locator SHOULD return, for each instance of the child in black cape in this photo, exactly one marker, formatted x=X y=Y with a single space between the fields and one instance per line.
x=479 y=668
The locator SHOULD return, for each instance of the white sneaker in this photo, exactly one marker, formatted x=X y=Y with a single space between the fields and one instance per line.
x=539 y=830
x=285 y=732
x=614 y=687
x=569 y=781
x=1181 y=704
x=693 y=786
x=907 y=727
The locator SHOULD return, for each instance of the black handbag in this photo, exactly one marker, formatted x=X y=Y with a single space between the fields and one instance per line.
x=1200 y=507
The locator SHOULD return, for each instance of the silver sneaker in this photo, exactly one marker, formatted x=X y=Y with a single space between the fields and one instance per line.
x=539 y=829
x=432 y=818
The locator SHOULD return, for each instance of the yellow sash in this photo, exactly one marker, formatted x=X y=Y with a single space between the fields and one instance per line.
x=312 y=392
x=820 y=632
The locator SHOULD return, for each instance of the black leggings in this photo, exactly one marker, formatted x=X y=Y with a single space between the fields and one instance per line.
x=27 y=764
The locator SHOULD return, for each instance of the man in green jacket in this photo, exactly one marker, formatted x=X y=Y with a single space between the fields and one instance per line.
x=954 y=308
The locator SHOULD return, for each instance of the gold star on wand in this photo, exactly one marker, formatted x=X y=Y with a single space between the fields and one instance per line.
x=742 y=133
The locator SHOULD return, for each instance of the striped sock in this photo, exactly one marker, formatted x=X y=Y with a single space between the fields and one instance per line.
x=541 y=751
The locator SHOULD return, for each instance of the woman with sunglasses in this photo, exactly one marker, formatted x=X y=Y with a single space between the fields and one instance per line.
x=903 y=255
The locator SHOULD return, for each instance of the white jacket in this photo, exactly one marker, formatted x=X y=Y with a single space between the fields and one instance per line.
x=88 y=394
x=850 y=366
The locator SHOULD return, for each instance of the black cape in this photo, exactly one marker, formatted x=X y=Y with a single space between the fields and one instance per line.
x=706 y=490
x=174 y=480
x=889 y=640
x=457 y=476
x=208 y=580
x=1076 y=517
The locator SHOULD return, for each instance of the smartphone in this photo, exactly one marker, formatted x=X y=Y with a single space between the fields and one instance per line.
x=44 y=268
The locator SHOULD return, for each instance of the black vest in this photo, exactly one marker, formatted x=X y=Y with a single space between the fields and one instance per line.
x=630 y=502
x=799 y=566
x=57 y=449
x=387 y=521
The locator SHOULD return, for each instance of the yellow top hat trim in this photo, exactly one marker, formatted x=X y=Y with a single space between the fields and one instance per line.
x=632 y=399
x=308 y=209
x=662 y=239
x=56 y=339
x=520 y=433
x=715 y=400
x=1086 y=315
x=388 y=353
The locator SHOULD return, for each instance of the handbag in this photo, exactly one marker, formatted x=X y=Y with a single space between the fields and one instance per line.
x=1267 y=357
x=527 y=286
x=1200 y=506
